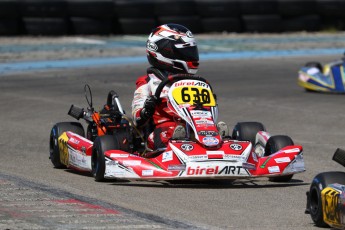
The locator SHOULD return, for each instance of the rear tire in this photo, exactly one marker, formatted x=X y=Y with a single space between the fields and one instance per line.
x=55 y=133
x=100 y=146
x=274 y=144
x=246 y=131
x=314 y=202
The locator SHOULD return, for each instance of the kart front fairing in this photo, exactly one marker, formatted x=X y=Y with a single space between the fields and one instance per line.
x=330 y=79
x=188 y=160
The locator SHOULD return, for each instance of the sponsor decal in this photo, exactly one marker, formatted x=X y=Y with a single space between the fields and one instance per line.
x=131 y=162
x=313 y=70
x=231 y=170
x=248 y=166
x=226 y=170
x=215 y=152
x=236 y=147
x=189 y=34
x=119 y=155
x=147 y=172
x=265 y=162
x=77 y=158
x=303 y=77
x=234 y=158
x=187 y=147
x=112 y=169
x=83 y=149
x=198 y=157
x=210 y=141
x=167 y=156
x=184 y=83
x=112 y=162
x=176 y=167
x=151 y=46
x=282 y=160
x=202 y=84
x=273 y=169
x=73 y=140
x=208 y=133
x=255 y=158
x=200 y=113
x=292 y=150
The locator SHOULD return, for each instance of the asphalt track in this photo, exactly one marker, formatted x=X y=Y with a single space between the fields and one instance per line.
x=35 y=195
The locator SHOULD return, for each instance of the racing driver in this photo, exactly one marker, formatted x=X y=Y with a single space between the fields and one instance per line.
x=171 y=49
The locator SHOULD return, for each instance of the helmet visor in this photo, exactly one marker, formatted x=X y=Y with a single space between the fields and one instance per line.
x=189 y=53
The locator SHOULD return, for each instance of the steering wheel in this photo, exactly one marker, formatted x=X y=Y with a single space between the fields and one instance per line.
x=174 y=78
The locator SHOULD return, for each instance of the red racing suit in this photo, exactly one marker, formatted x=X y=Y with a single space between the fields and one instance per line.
x=163 y=120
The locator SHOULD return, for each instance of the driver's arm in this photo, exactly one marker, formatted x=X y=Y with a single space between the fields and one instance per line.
x=142 y=92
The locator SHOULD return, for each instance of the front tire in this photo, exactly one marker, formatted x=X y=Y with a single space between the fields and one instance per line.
x=55 y=133
x=246 y=131
x=274 y=144
x=314 y=202
x=100 y=146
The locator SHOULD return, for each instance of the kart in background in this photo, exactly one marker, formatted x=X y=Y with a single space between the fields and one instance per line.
x=328 y=78
x=326 y=196
x=119 y=150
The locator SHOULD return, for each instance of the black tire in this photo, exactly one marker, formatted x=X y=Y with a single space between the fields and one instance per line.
x=271 y=23
x=274 y=144
x=193 y=23
x=288 y=8
x=55 y=133
x=45 y=26
x=91 y=8
x=174 y=8
x=91 y=26
x=134 y=9
x=262 y=7
x=218 y=8
x=302 y=23
x=314 y=202
x=101 y=145
x=331 y=8
x=9 y=26
x=246 y=131
x=314 y=64
x=44 y=8
x=9 y=9
x=221 y=25
x=130 y=25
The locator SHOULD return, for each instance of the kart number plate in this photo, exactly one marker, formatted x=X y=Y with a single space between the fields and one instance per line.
x=193 y=95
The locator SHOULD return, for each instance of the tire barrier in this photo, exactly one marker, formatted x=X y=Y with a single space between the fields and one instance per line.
x=46 y=26
x=104 y=17
x=191 y=22
x=210 y=25
x=307 y=23
x=255 y=7
x=9 y=17
x=262 y=23
x=81 y=25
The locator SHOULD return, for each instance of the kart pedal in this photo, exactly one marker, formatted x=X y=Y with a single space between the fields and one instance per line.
x=339 y=156
x=76 y=112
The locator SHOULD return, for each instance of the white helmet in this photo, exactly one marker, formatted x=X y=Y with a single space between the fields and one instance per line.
x=172 y=47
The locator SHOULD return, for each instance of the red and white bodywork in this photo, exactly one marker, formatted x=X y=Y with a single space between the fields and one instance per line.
x=203 y=155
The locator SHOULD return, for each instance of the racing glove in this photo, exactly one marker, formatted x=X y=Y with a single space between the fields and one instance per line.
x=149 y=108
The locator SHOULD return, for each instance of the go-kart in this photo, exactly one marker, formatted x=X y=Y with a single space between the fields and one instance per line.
x=326 y=196
x=328 y=78
x=119 y=149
